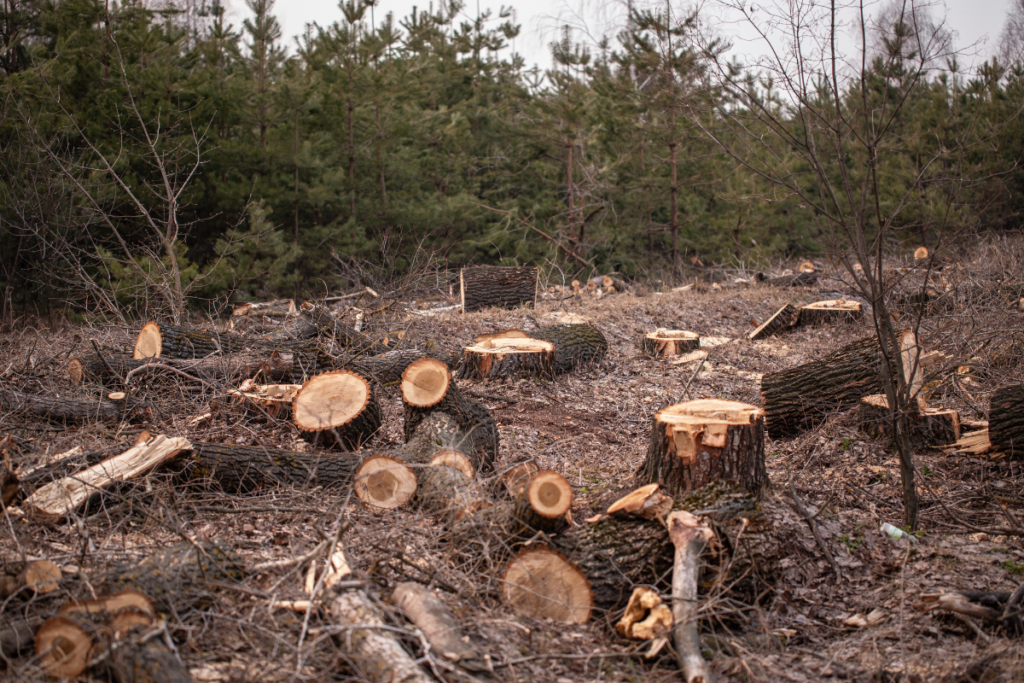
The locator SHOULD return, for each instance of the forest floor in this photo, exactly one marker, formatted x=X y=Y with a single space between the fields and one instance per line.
x=592 y=427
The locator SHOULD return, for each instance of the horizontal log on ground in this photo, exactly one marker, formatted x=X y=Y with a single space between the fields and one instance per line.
x=282 y=308
x=1006 y=421
x=337 y=409
x=794 y=280
x=540 y=582
x=576 y=345
x=347 y=339
x=249 y=468
x=29 y=578
x=161 y=340
x=500 y=286
x=270 y=365
x=69 y=410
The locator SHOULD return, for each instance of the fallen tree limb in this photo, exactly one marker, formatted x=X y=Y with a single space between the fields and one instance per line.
x=248 y=468
x=689 y=536
x=69 y=410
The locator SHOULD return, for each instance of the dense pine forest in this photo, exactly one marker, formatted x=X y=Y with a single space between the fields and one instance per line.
x=151 y=149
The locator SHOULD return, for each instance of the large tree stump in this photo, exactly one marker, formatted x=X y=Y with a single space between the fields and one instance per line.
x=508 y=357
x=539 y=582
x=782 y=319
x=801 y=397
x=575 y=345
x=338 y=409
x=249 y=468
x=830 y=312
x=663 y=343
x=1006 y=420
x=933 y=427
x=698 y=442
x=503 y=287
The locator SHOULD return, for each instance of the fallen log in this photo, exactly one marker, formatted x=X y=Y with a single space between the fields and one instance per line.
x=115 y=408
x=830 y=312
x=576 y=345
x=384 y=483
x=689 y=536
x=540 y=583
x=350 y=341
x=801 y=397
x=160 y=340
x=781 y=320
x=283 y=308
x=59 y=498
x=250 y=468
x=1006 y=420
x=792 y=280
x=38 y=577
x=695 y=443
x=269 y=365
x=337 y=409
x=661 y=343
x=19 y=636
x=499 y=286
x=508 y=357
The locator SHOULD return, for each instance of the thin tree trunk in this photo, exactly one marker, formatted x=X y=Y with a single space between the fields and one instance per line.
x=675 y=208
x=296 y=233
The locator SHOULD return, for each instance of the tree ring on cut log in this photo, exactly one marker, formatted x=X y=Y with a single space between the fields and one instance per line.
x=116 y=396
x=75 y=371
x=920 y=253
x=540 y=582
x=125 y=600
x=63 y=647
x=830 y=311
x=330 y=400
x=384 y=483
x=455 y=460
x=149 y=343
x=670 y=342
x=126 y=620
x=425 y=382
x=549 y=493
x=42 y=576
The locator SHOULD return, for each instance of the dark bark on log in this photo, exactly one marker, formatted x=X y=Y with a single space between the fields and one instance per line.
x=1006 y=421
x=781 y=320
x=575 y=345
x=799 y=398
x=504 y=287
x=272 y=365
x=345 y=336
x=386 y=369
x=293 y=329
x=794 y=280
x=134 y=660
x=471 y=418
x=249 y=468
x=68 y=410
x=19 y=636
x=356 y=431
x=180 y=342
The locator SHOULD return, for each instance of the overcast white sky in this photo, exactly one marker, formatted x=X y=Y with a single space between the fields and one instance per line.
x=976 y=22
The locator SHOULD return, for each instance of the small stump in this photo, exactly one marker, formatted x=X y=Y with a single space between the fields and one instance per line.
x=337 y=408
x=698 y=442
x=509 y=357
x=831 y=311
x=669 y=343
x=540 y=582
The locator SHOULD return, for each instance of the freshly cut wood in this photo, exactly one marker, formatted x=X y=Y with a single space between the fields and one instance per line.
x=689 y=536
x=157 y=340
x=69 y=410
x=1006 y=420
x=576 y=344
x=503 y=287
x=920 y=253
x=782 y=319
x=545 y=502
x=250 y=468
x=62 y=497
x=269 y=365
x=539 y=582
x=646 y=616
x=337 y=408
x=384 y=483
x=427 y=613
x=830 y=312
x=508 y=357
x=663 y=343
x=506 y=334
x=932 y=427
x=517 y=476
x=695 y=443
x=801 y=397
x=540 y=508
x=57 y=467
x=425 y=383
x=973 y=443
x=273 y=401
x=63 y=648
x=610 y=282
x=36 y=577
x=110 y=605
x=456 y=460
x=284 y=308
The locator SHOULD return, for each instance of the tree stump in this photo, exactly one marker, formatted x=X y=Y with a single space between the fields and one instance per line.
x=669 y=343
x=505 y=334
x=338 y=409
x=384 y=483
x=509 y=357
x=576 y=345
x=782 y=319
x=1006 y=421
x=698 y=442
x=933 y=427
x=830 y=312
x=539 y=582
x=503 y=287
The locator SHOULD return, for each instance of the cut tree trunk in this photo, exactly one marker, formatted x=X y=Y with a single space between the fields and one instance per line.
x=1006 y=421
x=157 y=340
x=34 y=578
x=793 y=280
x=117 y=407
x=781 y=320
x=689 y=536
x=508 y=357
x=506 y=334
x=503 y=287
x=386 y=369
x=269 y=365
x=540 y=583
x=250 y=468
x=698 y=442
x=337 y=409
x=576 y=345
x=350 y=341
x=293 y=329
x=60 y=498
x=932 y=427
x=799 y=398
x=830 y=312
x=663 y=343
x=384 y=483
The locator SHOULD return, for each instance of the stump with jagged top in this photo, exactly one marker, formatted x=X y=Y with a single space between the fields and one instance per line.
x=509 y=357
x=830 y=312
x=663 y=343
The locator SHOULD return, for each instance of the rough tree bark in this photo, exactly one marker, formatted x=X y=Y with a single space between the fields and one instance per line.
x=504 y=287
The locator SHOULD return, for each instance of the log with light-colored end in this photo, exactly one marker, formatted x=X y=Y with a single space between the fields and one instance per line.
x=509 y=357
x=63 y=648
x=935 y=427
x=425 y=382
x=550 y=494
x=112 y=604
x=42 y=576
x=540 y=582
x=337 y=408
x=454 y=459
x=516 y=477
x=662 y=343
x=920 y=253
x=384 y=483
x=149 y=343
x=695 y=443
x=689 y=536
x=830 y=311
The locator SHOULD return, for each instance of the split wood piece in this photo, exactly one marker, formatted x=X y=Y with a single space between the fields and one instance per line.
x=508 y=357
x=506 y=334
x=273 y=401
x=539 y=582
x=781 y=320
x=384 y=483
x=157 y=340
x=476 y=433
x=353 y=342
x=1006 y=420
x=500 y=286
x=973 y=443
x=689 y=536
x=35 y=578
x=366 y=639
x=576 y=345
x=70 y=410
x=646 y=616
x=249 y=468
x=517 y=476
x=830 y=312
x=801 y=397
x=695 y=443
x=427 y=613
x=933 y=427
x=283 y=308
x=337 y=409
x=57 y=499
x=57 y=467
x=663 y=343
x=271 y=365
